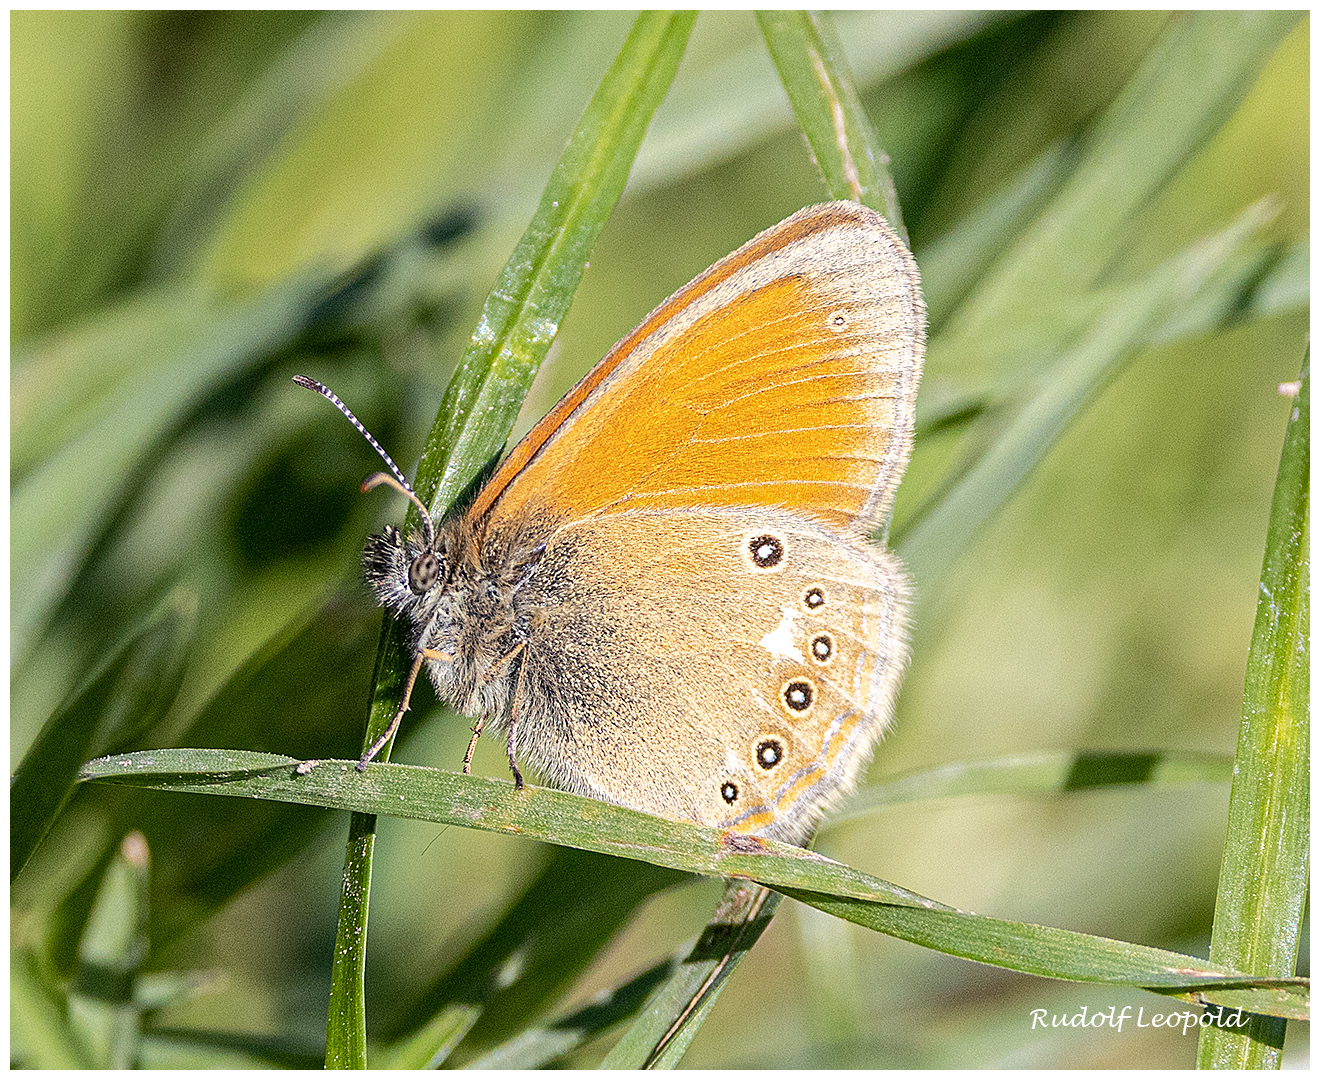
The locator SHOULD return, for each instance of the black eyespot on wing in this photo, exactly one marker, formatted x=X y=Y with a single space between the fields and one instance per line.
x=798 y=695
x=822 y=648
x=769 y=753
x=729 y=792
x=766 y=551
x=814 y=598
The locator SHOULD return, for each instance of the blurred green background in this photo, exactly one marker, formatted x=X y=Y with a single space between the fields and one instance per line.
x=203 y=204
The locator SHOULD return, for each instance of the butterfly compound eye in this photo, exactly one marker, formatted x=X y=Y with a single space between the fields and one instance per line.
x=423 y=572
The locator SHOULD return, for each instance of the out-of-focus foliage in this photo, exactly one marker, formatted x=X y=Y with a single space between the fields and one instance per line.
x=203 y=204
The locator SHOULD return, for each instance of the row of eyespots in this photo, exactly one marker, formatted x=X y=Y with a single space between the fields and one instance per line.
x=769 y=753
x=766 y=552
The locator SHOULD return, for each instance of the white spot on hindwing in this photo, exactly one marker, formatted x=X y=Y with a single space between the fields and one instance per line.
x=779 y=642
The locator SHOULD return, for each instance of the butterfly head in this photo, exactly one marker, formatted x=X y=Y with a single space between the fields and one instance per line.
x=406 y=575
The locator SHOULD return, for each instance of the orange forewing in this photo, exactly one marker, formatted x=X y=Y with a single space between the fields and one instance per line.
x=784 y=376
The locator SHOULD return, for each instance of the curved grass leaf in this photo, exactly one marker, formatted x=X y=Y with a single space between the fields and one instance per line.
x=1263 y=883
x=535 y=1047
x=674 y=1013
x=1040 y=773
x=128 y=695
x=576 y=904
x=815 y=74
x=558 y=817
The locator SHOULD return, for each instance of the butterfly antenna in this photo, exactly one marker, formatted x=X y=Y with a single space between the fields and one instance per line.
x=398 y=481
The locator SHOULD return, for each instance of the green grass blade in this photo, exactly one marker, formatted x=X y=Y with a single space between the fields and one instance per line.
x=536 y=1047
x=1067 y=954
x=430 y=1045
x=127 y=696
x=572 y=909
x=1182 y=94
x=346 y=1021
x=561 y=818
x=815 y=74
x=517 y=326
x=1028 y=427
x=727 y=99
x=1263 y=883
x=102 y=1006
x=676 y=1010
x=1040 y=773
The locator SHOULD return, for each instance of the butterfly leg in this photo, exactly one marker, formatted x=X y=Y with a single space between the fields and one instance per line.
x=472 y=746
x=388 y=733
x=513 y=724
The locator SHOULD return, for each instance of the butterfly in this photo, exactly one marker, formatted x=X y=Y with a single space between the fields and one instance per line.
x=665 y=596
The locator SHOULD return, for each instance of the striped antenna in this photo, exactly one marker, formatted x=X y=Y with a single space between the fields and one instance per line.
x=403 y=487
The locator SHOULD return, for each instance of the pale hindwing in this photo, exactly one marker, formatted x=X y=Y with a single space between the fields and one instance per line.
x=732 y=667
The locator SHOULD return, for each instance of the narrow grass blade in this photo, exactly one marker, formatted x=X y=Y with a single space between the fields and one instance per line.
x=727 y=99
x=1041 y=773
x=676 y=1010
x=536 y=1047
x=815 y=74
x=430 y=794
x=346 y=1022
x=431 y=1044
x=1067 y=954
x=1027 y=428
x=1183 y=93
x=102 y=1007
x=517 y=326
x=1263 y=883
x=127 y=696
x=538 y=947
x=561 y=818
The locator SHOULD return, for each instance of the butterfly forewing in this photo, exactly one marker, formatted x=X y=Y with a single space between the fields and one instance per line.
x=784 y=376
